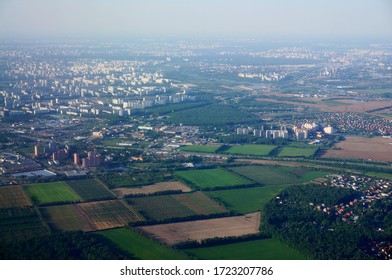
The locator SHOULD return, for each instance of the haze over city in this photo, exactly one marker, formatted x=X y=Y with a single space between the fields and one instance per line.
x=204 y=18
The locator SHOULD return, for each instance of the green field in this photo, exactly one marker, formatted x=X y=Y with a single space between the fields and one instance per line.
x=20 y=224
x=140 y=247
x=90 y=189
x=248 y=199
x=277 y=175
x=264 y=249
x=51 y=193
x=379 y=175
x=253 y=150
x=297 y=152
x=199 y=149
x=211 y=178
x=175 y=206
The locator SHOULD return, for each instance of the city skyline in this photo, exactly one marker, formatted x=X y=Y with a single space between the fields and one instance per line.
x=201 y=19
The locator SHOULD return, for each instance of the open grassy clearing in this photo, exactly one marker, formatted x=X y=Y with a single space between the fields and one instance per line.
x=140 y=247
x=20 y=224
x=211 y=178
x=264 y=249
x=13 y=197
x=175 y=206
x=253 y=150
x=65 y=218
x=51 y=193
x=379 y=175
x=203 y=229
x=246 y=200
x=90 y=189
x=277 y=175
x=150 y=189
x=199 y=149
x=297 y=152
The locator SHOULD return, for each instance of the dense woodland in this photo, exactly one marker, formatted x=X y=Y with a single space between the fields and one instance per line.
x=293 y=220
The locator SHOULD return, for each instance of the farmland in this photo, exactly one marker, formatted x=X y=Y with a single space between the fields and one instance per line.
x=264 y=249
x=253 y=150
x=172 y=206
x=199 y=149
x=246 y=200
x=13 y=196
x=90 y=189
x=138 y=246
x=89 y=216
x=51 y=193
x=203 y=229
x=150 y=189
x=19 y=224
x=211 y=178
x=376 y=148
x=297 y=152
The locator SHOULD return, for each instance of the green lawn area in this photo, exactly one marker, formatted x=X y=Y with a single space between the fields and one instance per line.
x=51 y=192
x=248 y=199
x=297 y=152
x=139 y=246
x=379 y=175
x=264 y=249
x=253 y=150
x=199 y=149
x=211 y=178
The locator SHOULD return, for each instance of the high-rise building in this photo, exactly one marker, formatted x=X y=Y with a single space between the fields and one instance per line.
x=76 y=159
x=36 y=151
x=92 y=160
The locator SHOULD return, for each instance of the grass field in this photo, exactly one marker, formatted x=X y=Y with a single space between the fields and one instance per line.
x=211 y=178
x=277 y=175
x=51 y=193
x=253 y=150
x=90 y=189
x=297 y=152
x=199 y=149
x=173 y=206
x=140 y=247
x=246 y=200
x=65 y=218
x=20 y=224
x=13 y=197
x=379 y=175
x=264 y=249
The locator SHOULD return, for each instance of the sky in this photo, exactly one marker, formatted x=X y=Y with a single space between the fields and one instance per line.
x=196 y=18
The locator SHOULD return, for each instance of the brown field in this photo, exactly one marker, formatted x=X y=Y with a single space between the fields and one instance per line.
x=13 y=197
x=377 y=148
x=90 y=216
x=158 y=187
x=204 y=229
x=199 y=203
x=349 y=105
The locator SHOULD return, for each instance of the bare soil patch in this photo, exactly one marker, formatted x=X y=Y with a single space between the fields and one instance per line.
x=203 y=229
x=158 y=187
x=377 y=148
x=13 y=197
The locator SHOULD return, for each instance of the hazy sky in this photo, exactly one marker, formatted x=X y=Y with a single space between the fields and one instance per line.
x=196 y=18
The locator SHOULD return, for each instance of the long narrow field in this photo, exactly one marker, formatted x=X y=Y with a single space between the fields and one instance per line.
x=252 y=150
x=203 y=229
x=211 y=178
x=51 y=193
x=297 y=152
x=264 y=249
x=19 y=224
x=13 y=197
x=140 y=247
x=247 y=200
x=150 y=189
x=199 y=149
x=90 y=216
x=90 y=189
x=175 y=206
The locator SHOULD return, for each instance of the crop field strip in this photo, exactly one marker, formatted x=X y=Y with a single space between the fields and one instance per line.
x=297 y=152
x=19 y=224
x=211 y=178
x=90 y=216
x=90 y=189
x=203 y=229
x=150 y=189
x=175 y=206
x=13 y=197
x=199 y=149
x=252 y=150
x=51 y=193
